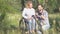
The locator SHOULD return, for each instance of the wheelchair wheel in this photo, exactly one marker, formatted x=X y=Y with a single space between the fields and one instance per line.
x=22 y=26
x=39 y=27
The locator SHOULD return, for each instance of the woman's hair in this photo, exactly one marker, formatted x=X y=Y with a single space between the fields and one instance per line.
x=27 y=3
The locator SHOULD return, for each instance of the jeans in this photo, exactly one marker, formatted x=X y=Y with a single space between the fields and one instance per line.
x=31 y=24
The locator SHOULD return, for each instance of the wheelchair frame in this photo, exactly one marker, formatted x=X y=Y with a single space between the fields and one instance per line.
x=23 y=26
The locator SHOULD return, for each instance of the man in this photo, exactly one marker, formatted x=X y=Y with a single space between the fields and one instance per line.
x=42 y=16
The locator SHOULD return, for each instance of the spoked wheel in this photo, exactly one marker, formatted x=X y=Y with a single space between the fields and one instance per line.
x=38 y=28
x=22 y=26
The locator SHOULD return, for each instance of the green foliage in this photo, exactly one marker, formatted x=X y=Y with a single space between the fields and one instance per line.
x=41 y=1
x=54 y=21
x=9 y=6
x=50 y=5
x=9 y=13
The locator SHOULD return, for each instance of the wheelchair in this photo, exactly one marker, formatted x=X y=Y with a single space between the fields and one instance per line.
x=23 y=26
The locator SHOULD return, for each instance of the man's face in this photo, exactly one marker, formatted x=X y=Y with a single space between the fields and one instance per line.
x=30 y=5
x=40 y=7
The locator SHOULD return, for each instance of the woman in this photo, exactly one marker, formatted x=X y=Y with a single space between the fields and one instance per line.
x=28 y=14
x=42 y=16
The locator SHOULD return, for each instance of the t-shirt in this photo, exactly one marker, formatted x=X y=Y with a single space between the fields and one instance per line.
x=28 y=12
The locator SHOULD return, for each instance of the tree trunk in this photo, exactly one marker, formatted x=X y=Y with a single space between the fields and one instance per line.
x=22 y=3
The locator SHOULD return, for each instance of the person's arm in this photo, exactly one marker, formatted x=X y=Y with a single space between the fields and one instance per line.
x=34 y=12
x=24 y=13
x=45 y=16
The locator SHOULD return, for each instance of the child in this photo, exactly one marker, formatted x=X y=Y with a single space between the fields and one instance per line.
x=28 y=12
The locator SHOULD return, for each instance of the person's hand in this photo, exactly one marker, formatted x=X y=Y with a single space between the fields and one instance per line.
x=43 y=24
x=42 y=16
x=29 y=18
x=36 y=18
x=36 y=13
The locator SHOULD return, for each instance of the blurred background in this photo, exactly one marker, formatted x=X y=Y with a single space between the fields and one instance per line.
x=11 y=10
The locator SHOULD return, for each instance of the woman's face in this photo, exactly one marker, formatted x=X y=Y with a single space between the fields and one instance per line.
x=40 y=7
x=30 y=5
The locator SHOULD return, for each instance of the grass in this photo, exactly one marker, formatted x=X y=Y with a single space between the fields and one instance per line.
x=54 y=22
x=54 y=19
x=13 y=16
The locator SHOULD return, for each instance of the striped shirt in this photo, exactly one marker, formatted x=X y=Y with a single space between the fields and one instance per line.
x=45 y=21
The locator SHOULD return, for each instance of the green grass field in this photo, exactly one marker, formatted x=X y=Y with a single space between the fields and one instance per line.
x=13 y=19
x=10 y=15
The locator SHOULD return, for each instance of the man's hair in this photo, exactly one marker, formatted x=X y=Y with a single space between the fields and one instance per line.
x=41 y=5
